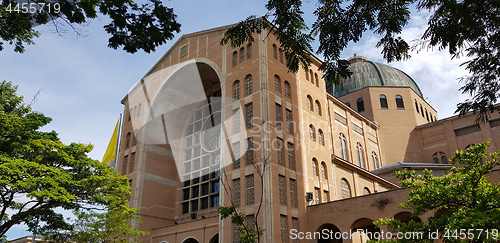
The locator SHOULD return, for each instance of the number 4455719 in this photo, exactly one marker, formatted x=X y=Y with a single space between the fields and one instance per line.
x=33 y=7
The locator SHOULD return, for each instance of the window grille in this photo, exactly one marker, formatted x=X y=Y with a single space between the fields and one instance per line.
x=467 y=130
x=345 y=189
x=291 y=157
x=249 y=154
x=279 y=117
x=293 y=193
x=236 y=192
x=249 y=115
x=248 y=85
x=236 y=153
x=279 y=150
x=250 y=190
x=284 y=230
x=282 y=191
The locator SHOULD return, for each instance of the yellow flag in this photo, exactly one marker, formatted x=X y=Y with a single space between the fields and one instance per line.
x=109 y=156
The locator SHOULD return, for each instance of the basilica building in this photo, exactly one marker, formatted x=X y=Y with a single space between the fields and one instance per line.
x=212 y=125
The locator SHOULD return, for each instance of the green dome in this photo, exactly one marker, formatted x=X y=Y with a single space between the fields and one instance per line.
x=368 y=73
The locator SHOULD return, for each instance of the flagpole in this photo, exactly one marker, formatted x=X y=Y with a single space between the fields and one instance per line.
x=118 y=141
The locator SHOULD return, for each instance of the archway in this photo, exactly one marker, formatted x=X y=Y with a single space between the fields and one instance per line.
x=333 y=232
x=190 y=240
x=406 y=217
x=214 y=239
x=363 y=230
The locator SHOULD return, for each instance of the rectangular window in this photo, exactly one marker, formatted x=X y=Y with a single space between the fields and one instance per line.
x=282 y=191
x=236 y=234
x=235 y=59
x=291 y=157
x=316 y=195
x=124 y=167
x=250 y=190
x=251 y=221
x=284 y=230
x=249 y=154
x=279 y=150
x=236 y=153
x=293 y=193
x=236 y=121
x=185 y=207
x=279 y=118
x=249 y=51
x=214 y=201
x=325 y=196
x=249 y=115
x=132 y=162
x=295 y=226
x=289 y=123
x=236 y=192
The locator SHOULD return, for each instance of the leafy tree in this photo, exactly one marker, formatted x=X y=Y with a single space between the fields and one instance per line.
x=133 y=26
x=40 y=178
x=470 y=205
x=469 y=27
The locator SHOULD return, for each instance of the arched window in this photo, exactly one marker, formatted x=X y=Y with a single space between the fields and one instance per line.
x=275 y=52
x=139 y=110
x=135 y=136
x=312 y=133
x=361 y=105
x=309 y=103
x=321 y=138
x=426 y=114
x=416 y=106
x=307 y=75
x=277 y=83
x=375 y=161
x=248 y=84
x=281 y=55
x=242 y=54
x=361 y=159
x=345 y=188
x=366 y=191
x=287 y=89
x=348 y=104
x=249 y=51
x=323 y=170
x=318 y=107
x=440 y=156
x=422 y=111
x=316 y=78
x=343 y=147
x=235 y=58
x=236 y=90
x=311 y=75
x=383 y=102
x=468 y=146
x=399 y=102
x=129 y=135
x=315 y=167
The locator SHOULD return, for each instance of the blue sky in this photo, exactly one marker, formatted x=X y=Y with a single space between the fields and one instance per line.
x=82 y=81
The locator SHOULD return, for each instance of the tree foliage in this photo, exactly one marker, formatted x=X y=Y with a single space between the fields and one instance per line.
x=41 y=179
x=469 y=27
x=133 y=26
x=467 y=203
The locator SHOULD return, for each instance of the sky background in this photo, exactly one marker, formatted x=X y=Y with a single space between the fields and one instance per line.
x=82 y=81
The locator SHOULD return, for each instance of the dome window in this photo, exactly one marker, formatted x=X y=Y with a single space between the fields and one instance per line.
x=399 y=102
x=383 y=102
x=361 y=105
